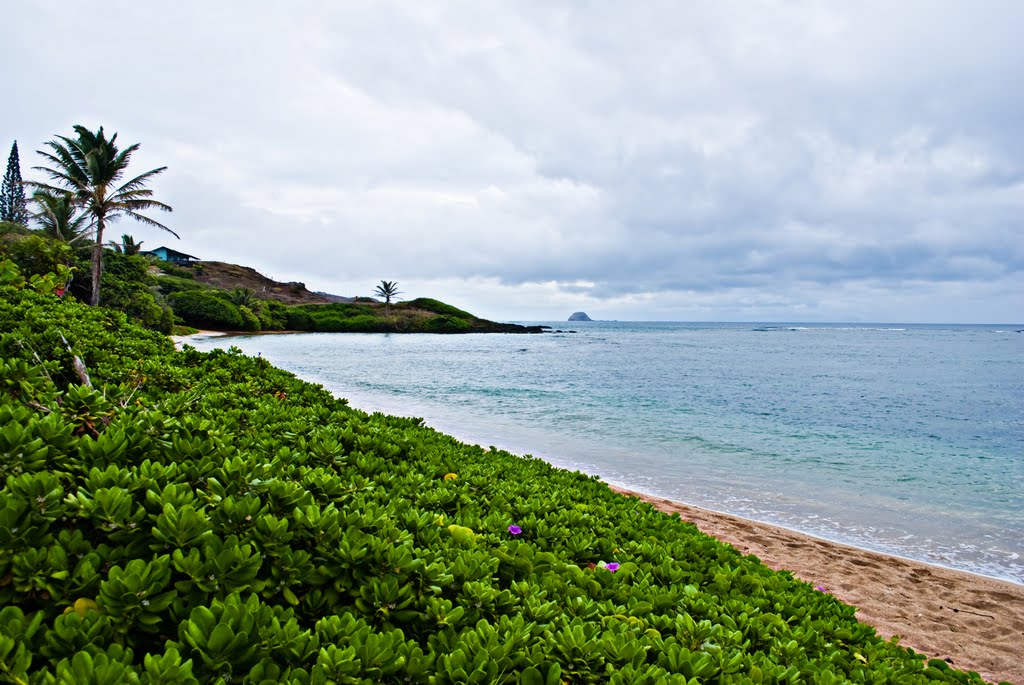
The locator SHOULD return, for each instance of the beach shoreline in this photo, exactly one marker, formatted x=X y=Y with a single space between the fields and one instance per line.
x=199 y=334
x=180 y=340
x=972 y=622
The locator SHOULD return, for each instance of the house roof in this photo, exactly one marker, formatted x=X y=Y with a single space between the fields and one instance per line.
x=169 y=251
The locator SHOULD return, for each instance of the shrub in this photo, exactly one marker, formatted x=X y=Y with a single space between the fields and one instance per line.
x=35 y=254
x=361 y=323
x=339 y=318
x=250 y=322
x=446 y=324
x=173 y=284
x=171 y=269
x=338 y=322
x=135 y=300
x=273 y=316
x=437 y=307
x=206 y=309
x=126 y=286
x=12 y=228
x=298 y=319
x=122 y=267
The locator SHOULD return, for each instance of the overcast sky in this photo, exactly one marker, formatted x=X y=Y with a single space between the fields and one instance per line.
x=707 y=161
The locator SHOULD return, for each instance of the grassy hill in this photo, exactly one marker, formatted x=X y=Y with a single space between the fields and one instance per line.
x=218 y=289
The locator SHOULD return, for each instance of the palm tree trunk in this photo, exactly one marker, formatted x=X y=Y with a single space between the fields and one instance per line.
x=97 y=263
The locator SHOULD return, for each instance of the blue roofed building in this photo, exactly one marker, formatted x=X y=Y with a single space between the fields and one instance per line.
x=168 y=255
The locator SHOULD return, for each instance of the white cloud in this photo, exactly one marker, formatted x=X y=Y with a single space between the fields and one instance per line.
x=756 y=161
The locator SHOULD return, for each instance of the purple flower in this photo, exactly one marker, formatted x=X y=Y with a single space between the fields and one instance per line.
x=820 y=588
x=613 y=567
x=514 y=529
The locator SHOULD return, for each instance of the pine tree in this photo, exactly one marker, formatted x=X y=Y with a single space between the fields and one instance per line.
x=13 y=205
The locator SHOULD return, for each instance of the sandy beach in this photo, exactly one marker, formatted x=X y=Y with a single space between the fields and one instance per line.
x=180 y=340
x=972 y=622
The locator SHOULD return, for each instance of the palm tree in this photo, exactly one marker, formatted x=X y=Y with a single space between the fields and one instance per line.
x=388 y=290
x=58 y=216
x=127 y=245
x=242 y=296
x=90 y=168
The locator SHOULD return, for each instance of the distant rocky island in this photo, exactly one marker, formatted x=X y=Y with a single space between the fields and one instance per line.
x=579 y=316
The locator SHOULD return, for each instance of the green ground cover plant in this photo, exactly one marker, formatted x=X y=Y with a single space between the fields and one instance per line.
x=181 y=517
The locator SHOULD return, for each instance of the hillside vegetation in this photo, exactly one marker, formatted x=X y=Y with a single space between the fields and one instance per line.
x=216 y=286
x=228 y=277
x=179 y=517
x=229 y=297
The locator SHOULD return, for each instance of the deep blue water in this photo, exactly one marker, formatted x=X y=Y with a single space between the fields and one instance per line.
x=906 y=439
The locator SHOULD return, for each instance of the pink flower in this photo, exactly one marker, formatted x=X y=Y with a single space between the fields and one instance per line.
x=613 y=567
x=514 y=529
x=59 y=292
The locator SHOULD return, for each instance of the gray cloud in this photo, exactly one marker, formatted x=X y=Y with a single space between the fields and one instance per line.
x=777 y=160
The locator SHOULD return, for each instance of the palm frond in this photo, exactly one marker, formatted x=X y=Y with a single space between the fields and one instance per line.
x=57 y=216
x=57 y=174
x=141 y=179
x=67 y=163
x=149 y=222
x=117 y=203
x=44 y=187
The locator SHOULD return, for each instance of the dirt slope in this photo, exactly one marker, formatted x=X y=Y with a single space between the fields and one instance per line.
x=230 y=276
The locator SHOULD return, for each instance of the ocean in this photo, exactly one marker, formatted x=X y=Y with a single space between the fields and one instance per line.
x=903 y=439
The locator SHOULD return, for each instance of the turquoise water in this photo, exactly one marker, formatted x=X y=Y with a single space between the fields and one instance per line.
x=905 y=439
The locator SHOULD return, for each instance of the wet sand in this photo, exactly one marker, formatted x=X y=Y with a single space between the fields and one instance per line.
x=180 y=340
x=973 y=622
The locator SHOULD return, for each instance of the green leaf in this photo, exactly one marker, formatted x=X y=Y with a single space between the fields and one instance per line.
x=554 y=675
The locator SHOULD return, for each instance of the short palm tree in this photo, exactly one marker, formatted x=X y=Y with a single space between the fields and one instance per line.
x=242 y=296
x=127 y=245
x=389 y=291
x=90 y=168
x=58 y=217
